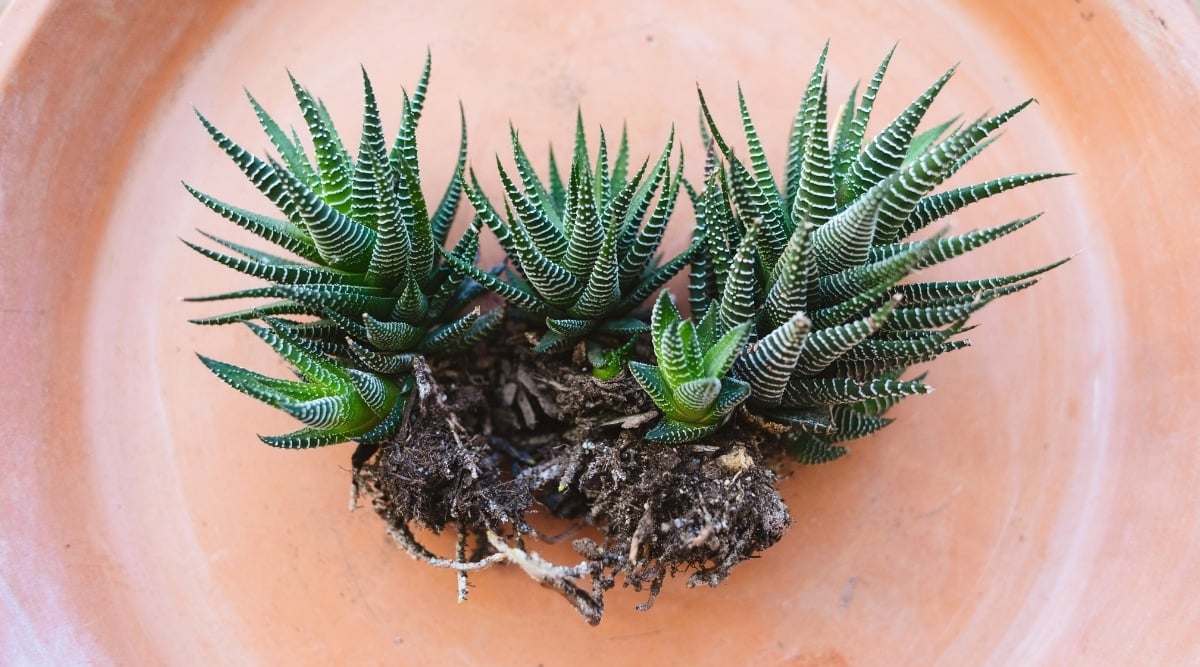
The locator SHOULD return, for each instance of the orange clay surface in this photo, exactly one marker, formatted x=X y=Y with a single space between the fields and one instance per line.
x=1041 y=508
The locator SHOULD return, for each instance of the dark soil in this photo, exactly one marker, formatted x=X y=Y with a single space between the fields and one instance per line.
x=503 y=433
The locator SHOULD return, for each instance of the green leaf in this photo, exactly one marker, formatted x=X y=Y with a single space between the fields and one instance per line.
x=282 y=233
x=448 y=335
x=418 y=96
x=801 y=125
x=885 y=154
x=311 y=366
x=624 y=326
x=932 y=317
x=262 y=175
x=824 y=346
x=937 y=206
x=767 y=365
x=291 y=151
x=558 y=193
x=815 y=197
x=392 y=336
x=827 y=391
x=758 y=157
x=341 y=242
x=663 y=316
x=269 y=390
x=947 y=248
x=288 y=273
x=330 y=412
x=603 y=289
x=672 y=432
x=652 y=381
x=387 y=428
x=307 y=438
x=859 y=279
x=694 y=400
x=813 y=449
x=583 y=224
x=606 y=363
x=817 y=421
x=570 y=328
x=733 y=393
x=640 y=251
x=379 y=394
x=751 y=199
x=423 y=252
x=333 y=162
x=720 y=355
x=916 y=294
x=673 y=357
x=601 y=185
x=509 y=292
x=443 y=217
x=852 y=425
x=552 y=341
x=923 y=141
x=387 y=364
x=795 y=276
x=533 y=219
x=365 y=185
x=845 y=240
x=258 y=312
x=851 y=142
x=739 y=298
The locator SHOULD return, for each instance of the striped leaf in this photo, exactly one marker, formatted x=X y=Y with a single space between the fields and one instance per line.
x=829 y=391
x=284 y=272
x=261 y=175
x=942 y=204
x=801 y=125
x=767 y=365
x=812 y=449
x=693 y=401
x=333 y=163
x=283 y=233
x=674 y=433
x=850 y=143
x=822 y=347
x=885 y=154
x=739 y=298
x=815 y=197
x=341 y=242
x=947 y=248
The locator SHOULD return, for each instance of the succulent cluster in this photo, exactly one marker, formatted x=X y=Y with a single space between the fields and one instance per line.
x=813 y=266
x=370 y=275
x=799 y=312
x=690 y=386
x=585 y=254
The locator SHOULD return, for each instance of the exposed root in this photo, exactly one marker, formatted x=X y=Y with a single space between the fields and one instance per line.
x=404 y=538
x=555 y=577
x=494 y=435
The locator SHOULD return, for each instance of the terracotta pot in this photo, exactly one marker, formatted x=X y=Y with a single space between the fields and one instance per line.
x=1040 y=509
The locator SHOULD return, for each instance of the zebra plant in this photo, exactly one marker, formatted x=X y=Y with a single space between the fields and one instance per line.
x=583 y=252
x=814 y=265
x=335 y=403
x=690 y=385
x=367 y=264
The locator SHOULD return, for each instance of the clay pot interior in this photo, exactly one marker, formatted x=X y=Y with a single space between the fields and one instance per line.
x=1037 y=506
